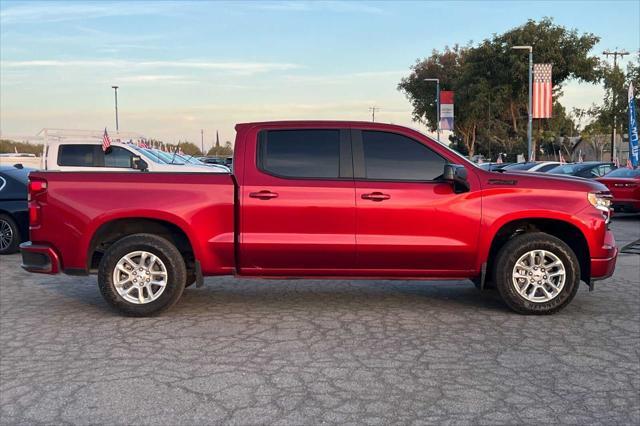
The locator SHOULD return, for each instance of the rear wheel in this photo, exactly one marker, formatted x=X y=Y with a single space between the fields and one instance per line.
x=9 y=235
x=142 y=275
x=537 y=273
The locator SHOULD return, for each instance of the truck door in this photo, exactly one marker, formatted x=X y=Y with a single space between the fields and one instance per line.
x=298 y=205
x=408 y=222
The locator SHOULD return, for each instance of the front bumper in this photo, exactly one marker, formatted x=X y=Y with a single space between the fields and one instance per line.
x=603 y=268
x=39 y=258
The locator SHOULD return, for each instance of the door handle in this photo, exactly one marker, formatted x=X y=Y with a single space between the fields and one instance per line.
x=263 y=195
x=376 y=196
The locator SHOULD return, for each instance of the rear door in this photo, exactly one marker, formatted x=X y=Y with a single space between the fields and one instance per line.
x=298 y=204
x=409 y=223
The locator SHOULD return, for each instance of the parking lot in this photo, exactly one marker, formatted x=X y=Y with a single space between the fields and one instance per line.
x=314 y=352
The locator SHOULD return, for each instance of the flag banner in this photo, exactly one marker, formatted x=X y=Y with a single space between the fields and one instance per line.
x=446 y=110
x=542 y=91
x=633 y=129
x=106 y=141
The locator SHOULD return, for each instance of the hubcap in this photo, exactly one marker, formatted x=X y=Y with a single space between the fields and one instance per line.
x=538 y=276
x=140 y=277
x=6 y=235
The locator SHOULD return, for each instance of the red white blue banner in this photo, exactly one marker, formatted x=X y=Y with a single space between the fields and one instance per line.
x=446 y=110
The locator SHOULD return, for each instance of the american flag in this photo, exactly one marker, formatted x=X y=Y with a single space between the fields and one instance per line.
x=106 y=141
x=542 y=91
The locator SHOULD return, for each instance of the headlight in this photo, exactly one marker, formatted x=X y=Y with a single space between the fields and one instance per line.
x=601 y=201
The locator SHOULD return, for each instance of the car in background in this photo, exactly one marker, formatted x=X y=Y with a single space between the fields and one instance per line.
x=624 y=185
x=493 y=167
x=588 y=169
x=14 y=214
x=224 y=161
x=85 y=156
x=175 y=158
x=532 y=166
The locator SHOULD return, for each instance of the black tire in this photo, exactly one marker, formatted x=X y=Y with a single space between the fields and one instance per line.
x=165 y=251
x=9 y=225
x=518 y=246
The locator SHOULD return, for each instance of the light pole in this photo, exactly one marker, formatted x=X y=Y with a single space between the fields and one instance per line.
x=529 y=145
x=115 y=92
x=437 y=80
x=615 y=55
x=373 y=110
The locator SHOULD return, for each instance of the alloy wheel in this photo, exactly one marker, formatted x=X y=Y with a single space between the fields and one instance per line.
x=140 y=277
x=539 y=276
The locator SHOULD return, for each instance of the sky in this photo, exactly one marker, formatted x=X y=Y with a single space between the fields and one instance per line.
x=186 y=66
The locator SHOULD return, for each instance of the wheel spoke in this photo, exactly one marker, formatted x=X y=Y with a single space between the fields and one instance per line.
x=542 y=267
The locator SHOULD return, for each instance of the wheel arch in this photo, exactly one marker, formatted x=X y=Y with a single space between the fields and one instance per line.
x=566 y=231
x=112 y=230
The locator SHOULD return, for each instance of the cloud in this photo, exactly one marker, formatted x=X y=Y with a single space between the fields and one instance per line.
x=315 y=6
x=57 y=12
x=232 y=67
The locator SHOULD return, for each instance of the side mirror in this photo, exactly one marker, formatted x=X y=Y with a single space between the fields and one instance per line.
x=137 y=163
x=457 y=176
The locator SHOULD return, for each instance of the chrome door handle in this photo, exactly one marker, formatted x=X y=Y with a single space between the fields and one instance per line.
x=376 y=196
x=263 y=195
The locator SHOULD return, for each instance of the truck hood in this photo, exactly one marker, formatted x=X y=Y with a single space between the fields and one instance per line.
x=541 y=181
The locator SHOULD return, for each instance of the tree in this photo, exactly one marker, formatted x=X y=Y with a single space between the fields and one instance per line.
x=490 y=81
x=221 y=151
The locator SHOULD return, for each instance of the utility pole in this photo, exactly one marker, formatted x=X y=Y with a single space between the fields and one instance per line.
x=202 y=141
x=530 y=125
x=373 y=110
x=437 y=80
x=115 y=91
x=615 y=55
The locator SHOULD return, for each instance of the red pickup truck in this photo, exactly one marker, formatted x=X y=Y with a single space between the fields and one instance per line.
x=323 y=199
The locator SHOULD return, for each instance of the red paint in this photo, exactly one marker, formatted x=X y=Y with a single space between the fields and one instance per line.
x=308 y=227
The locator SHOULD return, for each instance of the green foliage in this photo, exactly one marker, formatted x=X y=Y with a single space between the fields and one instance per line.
x=8 y=146
x=221 y=151
x=490 y=81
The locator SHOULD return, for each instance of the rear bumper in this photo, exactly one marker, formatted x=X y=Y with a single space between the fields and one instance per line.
x=39 y=258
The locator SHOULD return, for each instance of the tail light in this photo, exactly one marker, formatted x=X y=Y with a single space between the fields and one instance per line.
x=36 y=188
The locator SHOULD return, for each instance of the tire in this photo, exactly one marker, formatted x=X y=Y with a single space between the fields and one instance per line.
x=151 y=297
x=546 y=286
x=9 y=235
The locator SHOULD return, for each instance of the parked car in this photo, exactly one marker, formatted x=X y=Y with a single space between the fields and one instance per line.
x=89 y=156
x=588 y=169
x=624 y=184
x=533 y=166
x=14 y=216
x=323 y=200
x=493 y=167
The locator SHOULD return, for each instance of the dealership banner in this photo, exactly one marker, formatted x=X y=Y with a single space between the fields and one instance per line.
x=446 y=110
x=633 y=129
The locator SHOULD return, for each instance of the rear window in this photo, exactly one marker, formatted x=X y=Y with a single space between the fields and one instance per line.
x=76 y=155
x=624 y=173
x=300 y=153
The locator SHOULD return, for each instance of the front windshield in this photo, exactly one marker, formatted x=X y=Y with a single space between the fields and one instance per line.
x=167 y=157
x=189 y=159
x=566 y=169
x=624 y=173
x=148 y=154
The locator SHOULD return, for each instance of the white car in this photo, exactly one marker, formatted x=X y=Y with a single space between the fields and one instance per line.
x=539 y=166
x=88 y=155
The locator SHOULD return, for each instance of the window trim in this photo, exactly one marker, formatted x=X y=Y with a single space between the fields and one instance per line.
x=345 y=165
x=359 y=165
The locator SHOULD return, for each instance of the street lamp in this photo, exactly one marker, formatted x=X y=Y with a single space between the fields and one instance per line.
x=115 y=91
x=529 y=145
x=437 y=80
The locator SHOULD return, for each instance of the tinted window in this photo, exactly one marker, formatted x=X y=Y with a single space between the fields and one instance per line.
x=301 y=153
x=546 y=168
x=76 y=155
x=118 y=157
x=389 y=156
x=624 y=173
x=520 y=166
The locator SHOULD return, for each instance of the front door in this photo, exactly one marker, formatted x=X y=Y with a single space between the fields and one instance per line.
x=298 y=204
x=410 y=223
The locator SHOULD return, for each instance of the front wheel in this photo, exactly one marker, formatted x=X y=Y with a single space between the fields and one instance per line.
x=142 y=275
x=537 y=273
